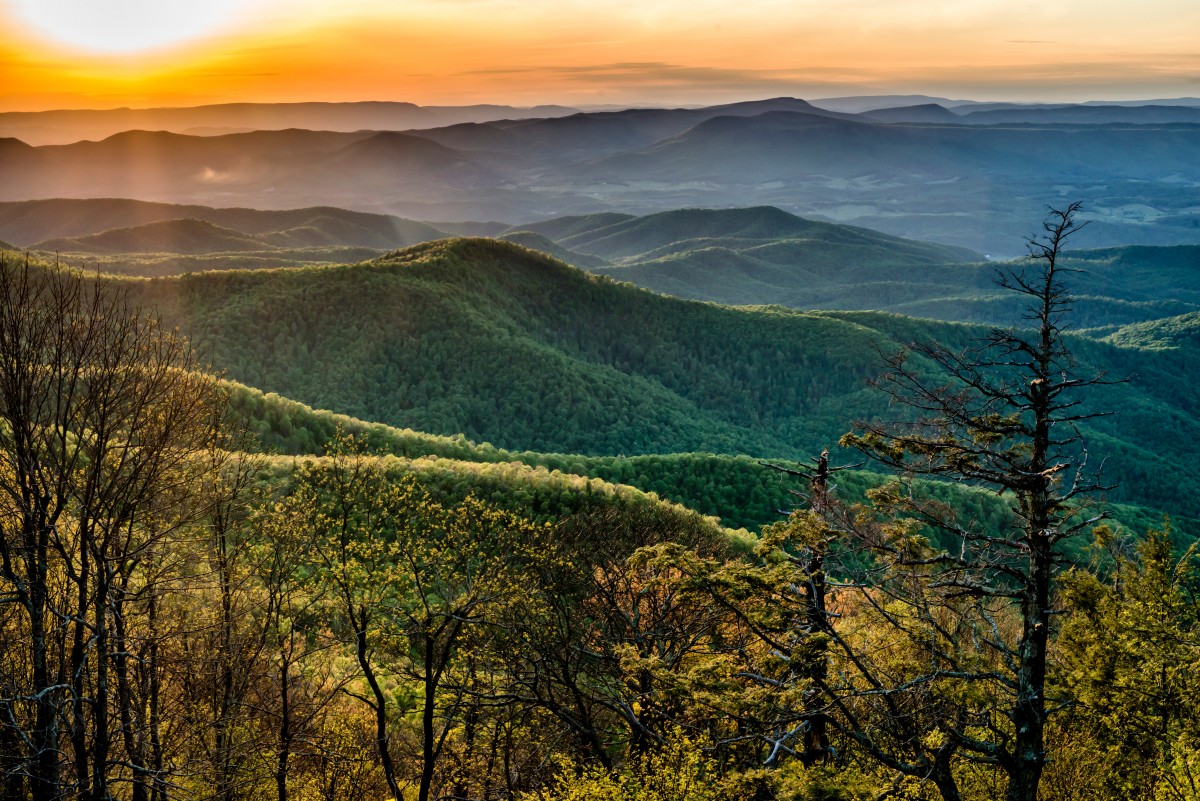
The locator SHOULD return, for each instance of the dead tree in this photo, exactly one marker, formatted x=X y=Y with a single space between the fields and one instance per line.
x=1002 y=415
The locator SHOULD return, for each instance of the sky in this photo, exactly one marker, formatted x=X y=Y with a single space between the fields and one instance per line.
x=148 y=53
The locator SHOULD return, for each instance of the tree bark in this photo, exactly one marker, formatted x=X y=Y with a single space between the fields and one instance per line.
x=380 y=707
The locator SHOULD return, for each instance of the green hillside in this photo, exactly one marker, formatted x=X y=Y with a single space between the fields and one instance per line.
x=503 y=345
x=657 y=235
x=535 y=241
x=185 y=236
x=766 y=256
x=31 y=221
x=741 y=491
x=1182 y=332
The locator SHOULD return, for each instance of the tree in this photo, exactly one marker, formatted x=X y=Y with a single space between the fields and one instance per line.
x=410 y=584
x=106 y=423
x=1130 y=651
x=1002 y=415
x=606 y=647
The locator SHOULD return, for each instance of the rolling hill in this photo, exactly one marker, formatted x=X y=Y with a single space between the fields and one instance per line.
x=1180 y=334
x=186 y=235
x=760 y=255
x=750 y=256
x=740 y=491
x=131 y=237
x=630 y=239
x=503 y=345
x=766 y=256
x=31 y=221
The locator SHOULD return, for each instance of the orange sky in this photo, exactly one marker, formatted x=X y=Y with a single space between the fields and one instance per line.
x=147 y=53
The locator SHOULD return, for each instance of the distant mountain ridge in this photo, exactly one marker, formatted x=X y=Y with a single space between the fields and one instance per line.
x=30 y=222
x=926 y=173
x=998 y=114
x=65 y=126
x=168 y=236
x=668 y=232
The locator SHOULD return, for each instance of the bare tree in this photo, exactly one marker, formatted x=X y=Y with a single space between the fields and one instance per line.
x=103 y=414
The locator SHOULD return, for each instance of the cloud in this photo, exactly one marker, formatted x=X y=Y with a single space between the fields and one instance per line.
x=664 y=74
x=210 y=176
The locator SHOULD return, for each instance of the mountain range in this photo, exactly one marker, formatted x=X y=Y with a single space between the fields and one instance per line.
x=751 y=256
x=504 y=345
x=66 y=126
x=928 y=174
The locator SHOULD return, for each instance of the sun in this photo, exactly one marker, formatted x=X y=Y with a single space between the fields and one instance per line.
x=125 y=26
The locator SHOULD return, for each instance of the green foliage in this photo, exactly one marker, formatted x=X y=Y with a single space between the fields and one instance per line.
x=682 y=770
x=676 y=772
x=740 y=491
x=1130 y=653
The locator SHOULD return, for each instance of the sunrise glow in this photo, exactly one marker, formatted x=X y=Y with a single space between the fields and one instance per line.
x=123 y=26
x=67 y=54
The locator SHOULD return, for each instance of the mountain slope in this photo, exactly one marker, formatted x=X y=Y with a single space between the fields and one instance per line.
x=537 y=242
x=764 y=255
x=33 y=221
x=742 y=492
x=1173 y=333
x=168 y=236
x=506 y=346
x=667 y=233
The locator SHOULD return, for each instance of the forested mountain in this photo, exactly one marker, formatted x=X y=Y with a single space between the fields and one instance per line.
x=506 y=346
x=33 y=221
x=131 y=237
x=170 y=236
x=742 y=492
x=639 y=239
x=1179 y=334
x=502 y=518
x=766 y=256
x=751 y=256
